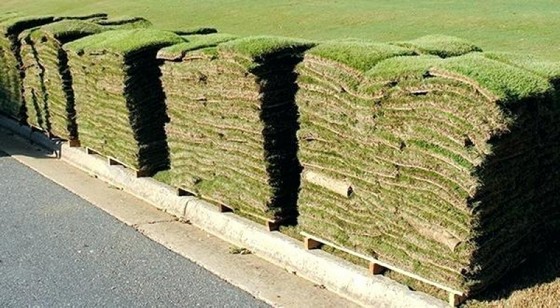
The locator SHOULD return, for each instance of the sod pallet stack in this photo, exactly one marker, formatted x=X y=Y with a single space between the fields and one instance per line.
x=233 y=123
x=120 y=105
x=432 y=165
x=48 y=80
x=11 y=75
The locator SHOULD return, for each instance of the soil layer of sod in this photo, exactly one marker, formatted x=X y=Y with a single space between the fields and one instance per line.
x=441 y=167
x=120 y=104
x=233 y=123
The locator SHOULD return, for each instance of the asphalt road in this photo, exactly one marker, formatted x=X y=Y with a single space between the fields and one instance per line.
x=58 y=250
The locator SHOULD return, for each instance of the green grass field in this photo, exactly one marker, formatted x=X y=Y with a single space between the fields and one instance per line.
x=501 y=25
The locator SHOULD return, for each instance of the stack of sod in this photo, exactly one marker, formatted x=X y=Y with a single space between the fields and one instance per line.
x=435 y=165
x=120 y=104
x=11 y=75
x=233 y=122
x=48 y=81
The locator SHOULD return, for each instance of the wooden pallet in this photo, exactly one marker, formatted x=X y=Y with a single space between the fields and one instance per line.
x=185 y=192
x=377 y=267
x=270 y=224
x=111 y=161
x=74 y=143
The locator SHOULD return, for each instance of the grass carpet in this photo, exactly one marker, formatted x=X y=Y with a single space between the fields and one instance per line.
x=233 y=122
x=120 y=104
x=48 y=81
x=432 y=164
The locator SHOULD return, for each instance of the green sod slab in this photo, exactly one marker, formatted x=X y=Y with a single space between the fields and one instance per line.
x=233 y=122
x=440 y=45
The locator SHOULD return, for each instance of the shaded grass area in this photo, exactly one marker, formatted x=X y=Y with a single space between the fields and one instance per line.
x=536 y=283
x=501 y=25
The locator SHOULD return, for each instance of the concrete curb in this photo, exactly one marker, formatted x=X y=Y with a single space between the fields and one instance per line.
x=337 y=275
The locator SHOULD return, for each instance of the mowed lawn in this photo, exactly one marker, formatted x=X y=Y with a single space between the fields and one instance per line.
x=526 y=26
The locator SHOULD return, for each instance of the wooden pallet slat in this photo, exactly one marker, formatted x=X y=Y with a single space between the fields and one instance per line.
x=377 y=267
x=112 y=161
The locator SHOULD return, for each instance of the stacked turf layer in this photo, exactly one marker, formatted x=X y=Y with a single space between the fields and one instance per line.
x=48 y=81
x=434 y=165
x=440 y=45
x=120 y=105
x=233 y=122
x=11 y=25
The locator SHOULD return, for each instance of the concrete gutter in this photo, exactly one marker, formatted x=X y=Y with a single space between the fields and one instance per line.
x=335 y=274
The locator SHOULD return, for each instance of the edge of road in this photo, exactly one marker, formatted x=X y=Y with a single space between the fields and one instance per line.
x=322 y=269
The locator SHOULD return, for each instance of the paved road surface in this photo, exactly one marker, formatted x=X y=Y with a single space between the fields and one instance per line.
x=57 y=249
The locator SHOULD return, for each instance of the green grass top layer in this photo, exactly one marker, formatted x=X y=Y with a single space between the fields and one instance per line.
x=195 y=30
x=440 y=45
x=360 y=55
x=14 y=24
x=126 y=23
x=547 y=69
x=509 y=83
x=193 y=42
x=403 y=67
x=259 y=48
x=125 y=41
x=65 y=28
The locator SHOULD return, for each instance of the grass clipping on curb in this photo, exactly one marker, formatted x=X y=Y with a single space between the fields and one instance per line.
x=48 y=80
x=120 y=104
x=233 y=122
x=438 y=166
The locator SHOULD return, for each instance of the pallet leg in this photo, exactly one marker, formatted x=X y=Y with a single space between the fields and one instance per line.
x=91 y=152
x=183 y=192
x=141 y=174
x=456 y=299
x=113 y=162
x=272 y=225
x=310 y=243
x=376 y=269
x=224 y=209
x=74 y=143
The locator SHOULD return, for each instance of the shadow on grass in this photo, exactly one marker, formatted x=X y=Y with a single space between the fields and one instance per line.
x=538 y=269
